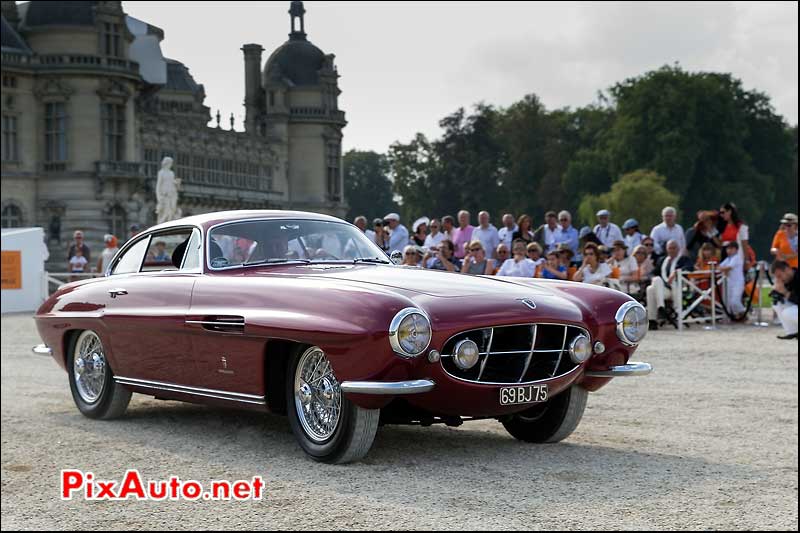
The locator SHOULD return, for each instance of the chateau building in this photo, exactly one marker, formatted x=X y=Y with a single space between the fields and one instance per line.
x=90 y=107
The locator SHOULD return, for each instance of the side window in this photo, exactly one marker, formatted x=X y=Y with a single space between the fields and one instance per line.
x=131 y=260
x=192 y=255
x=165 y=251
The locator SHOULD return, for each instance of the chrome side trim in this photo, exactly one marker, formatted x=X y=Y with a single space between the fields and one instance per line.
x=631 y=369
x=183 y=389
x=416 y=386
x=212 y=323
x=42 y=349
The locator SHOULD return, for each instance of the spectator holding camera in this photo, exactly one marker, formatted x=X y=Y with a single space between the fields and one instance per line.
x=443 y=258
x=552 y=267
x=784 y=243
x=704 y=231
x=785 y=298
x=607 y=232
x=380 y=235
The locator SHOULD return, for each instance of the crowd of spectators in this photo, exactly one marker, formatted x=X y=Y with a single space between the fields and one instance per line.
x=644 y=265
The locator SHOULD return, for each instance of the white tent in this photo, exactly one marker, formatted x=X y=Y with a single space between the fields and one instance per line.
x=24 y=286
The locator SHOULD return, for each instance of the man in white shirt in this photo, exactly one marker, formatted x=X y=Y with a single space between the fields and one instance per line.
x=361 y=223
x=668 y=231
x=398 y=234
x=506 y=233
x=435 y=236
x=607 y=231
x=664 y=276
x=518 y=266
x=487 y=234
x=545 y=234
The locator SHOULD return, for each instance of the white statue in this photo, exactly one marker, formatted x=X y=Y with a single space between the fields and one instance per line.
x=167 y=193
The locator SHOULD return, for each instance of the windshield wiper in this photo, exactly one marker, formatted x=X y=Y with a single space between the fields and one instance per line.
x=370 y=260
x=275 y=260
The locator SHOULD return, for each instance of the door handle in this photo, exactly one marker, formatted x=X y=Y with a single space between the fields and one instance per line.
x=117 y=292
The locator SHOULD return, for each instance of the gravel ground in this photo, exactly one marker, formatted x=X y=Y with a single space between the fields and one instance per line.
x=708 y=441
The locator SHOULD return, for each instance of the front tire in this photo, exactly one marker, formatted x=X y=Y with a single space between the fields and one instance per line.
x=552 y=421
x=328 y=426
x=91 y=379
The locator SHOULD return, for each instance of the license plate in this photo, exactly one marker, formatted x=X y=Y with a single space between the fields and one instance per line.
x=523 y=394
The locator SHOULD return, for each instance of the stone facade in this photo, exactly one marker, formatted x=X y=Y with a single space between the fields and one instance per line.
x=85 y=126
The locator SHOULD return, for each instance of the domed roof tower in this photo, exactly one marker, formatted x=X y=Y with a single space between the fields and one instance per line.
x=294 y=99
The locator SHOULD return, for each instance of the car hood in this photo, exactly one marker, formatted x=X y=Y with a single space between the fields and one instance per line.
x=435 y=283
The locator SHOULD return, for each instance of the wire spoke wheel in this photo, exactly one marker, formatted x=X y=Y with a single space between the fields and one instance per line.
x=89 y=367
x=317 y=396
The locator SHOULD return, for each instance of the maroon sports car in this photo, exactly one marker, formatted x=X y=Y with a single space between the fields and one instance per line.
x=301 y=314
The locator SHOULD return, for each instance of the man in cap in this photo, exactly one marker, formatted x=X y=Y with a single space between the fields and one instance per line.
x=633 y=236
x=607 y=231
x=784 y=243
x=398 y=234
x=487 y=234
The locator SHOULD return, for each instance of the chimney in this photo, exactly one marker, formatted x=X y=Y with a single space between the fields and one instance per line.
x=252 y=85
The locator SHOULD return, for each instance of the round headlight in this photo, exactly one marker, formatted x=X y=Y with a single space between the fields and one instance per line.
x=631 y=323
x=580 y=349
x=410 y=332
x=466 y=354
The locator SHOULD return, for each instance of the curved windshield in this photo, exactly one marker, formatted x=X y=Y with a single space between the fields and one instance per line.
x=260 y=242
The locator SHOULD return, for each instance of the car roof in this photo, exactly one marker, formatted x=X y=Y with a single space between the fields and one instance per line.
x=206 y=220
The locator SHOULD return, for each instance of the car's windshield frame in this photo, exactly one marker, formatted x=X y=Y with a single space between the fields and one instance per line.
x=379 y=254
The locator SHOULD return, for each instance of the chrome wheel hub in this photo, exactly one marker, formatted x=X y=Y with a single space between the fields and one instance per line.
x=89 y=367
x=317 y=395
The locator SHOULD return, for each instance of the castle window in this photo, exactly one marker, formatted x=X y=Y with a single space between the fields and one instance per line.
x=10 y=139
x=9 y=82
x=117 y=221
x=334 y=176
x=112 y=39
x=11 y=216
x=55 y=132
x=113 y=116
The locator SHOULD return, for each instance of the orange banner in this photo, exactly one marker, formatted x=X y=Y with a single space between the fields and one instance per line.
x=11 y=262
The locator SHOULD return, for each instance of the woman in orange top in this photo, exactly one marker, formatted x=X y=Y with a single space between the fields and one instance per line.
x=784 y=244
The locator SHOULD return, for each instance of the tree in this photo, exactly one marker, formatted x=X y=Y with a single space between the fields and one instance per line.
x=640 y=194
x=367 y=187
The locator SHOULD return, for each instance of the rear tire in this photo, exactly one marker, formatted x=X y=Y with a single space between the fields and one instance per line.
x=327 y=433
x=552 y=421
x=91 y=379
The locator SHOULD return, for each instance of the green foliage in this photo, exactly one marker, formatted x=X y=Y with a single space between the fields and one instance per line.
x=640 y=194
x=367 y=187
x=709 y=139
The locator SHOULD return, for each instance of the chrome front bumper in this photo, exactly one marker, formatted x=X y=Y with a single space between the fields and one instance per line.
x=42 y=349
x=416 y=386
x=631 y=369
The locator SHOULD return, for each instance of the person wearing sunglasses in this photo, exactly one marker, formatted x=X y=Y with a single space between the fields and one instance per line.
x=435 y=237
x=410 y=256
x=501 y=253
x=565 y=233
x=476 y=262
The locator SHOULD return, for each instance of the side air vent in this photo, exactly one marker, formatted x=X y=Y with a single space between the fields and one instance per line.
x=221 y=323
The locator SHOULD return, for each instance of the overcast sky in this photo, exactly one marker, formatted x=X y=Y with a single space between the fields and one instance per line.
x=405 y=65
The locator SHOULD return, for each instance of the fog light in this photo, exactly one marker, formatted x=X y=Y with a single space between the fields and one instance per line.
x=580 y=349
x=466 y=354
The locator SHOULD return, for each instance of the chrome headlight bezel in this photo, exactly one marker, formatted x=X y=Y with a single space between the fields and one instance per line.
x=620 y=318
x=573 y=349
x=394 y=330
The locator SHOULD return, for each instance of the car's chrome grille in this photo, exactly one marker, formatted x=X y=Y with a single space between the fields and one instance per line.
x=515 y=354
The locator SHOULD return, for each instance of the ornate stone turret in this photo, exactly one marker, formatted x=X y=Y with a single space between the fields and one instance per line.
x=253 y=91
